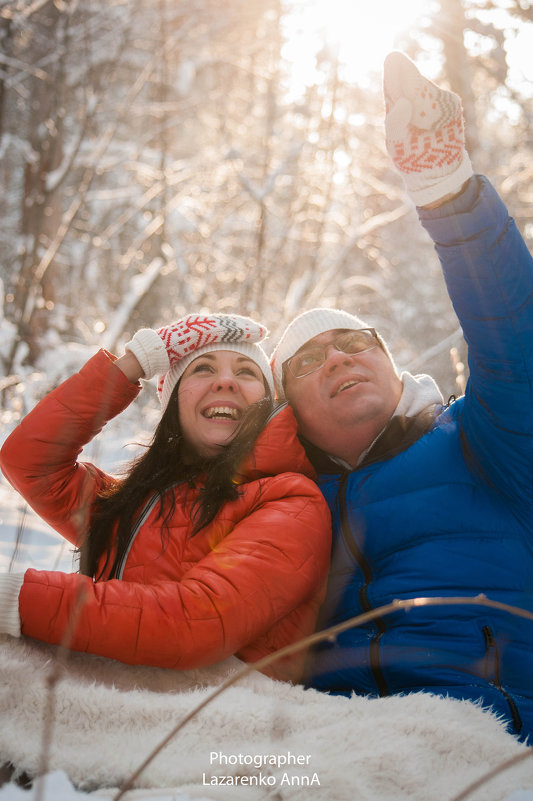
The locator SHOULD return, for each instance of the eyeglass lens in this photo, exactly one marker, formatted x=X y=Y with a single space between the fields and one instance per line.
x=348 y=342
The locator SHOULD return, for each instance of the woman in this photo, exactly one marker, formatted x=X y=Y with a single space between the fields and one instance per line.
x=215 y=543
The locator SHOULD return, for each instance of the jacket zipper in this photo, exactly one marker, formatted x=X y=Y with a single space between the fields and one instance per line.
x=357 y=554
x=494 y=677
x=143 y=516
x=149 y=505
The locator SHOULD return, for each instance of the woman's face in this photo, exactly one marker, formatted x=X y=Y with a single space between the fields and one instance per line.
x=214 y=391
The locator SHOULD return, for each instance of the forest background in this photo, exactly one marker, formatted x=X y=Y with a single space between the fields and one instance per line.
x=166 y=156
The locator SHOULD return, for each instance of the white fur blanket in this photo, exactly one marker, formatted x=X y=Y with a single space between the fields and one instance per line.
x=274 y=740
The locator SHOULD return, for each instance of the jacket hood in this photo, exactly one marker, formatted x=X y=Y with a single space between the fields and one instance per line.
x=277 y=449
x=419 y=392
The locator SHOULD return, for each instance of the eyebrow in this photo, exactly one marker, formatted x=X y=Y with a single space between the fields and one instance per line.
x=312 y=344
x=212 y=357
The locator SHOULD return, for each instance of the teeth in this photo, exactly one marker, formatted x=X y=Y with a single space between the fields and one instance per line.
x=346 y=385
x=222 y=411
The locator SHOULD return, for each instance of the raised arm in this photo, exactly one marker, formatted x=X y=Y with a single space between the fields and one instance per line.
x=488 y=271
x=489 y=274
x=40 y=457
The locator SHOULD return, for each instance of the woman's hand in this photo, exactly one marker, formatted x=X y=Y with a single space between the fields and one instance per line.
x=130 y=366
x=149 y=350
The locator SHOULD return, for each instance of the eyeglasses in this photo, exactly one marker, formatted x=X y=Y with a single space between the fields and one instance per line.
x=311 y=359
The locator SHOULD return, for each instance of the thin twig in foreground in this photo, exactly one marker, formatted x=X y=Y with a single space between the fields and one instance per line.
x=18 y=540
x=321 y=636
x=51 y=682
x=490 y=774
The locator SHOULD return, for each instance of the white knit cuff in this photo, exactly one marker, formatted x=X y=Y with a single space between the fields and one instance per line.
x=149 y=350
x=424 y=190
x=10 y=585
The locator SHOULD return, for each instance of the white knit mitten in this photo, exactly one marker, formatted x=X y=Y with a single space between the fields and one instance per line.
x=424 y=132
x=10 y=584
x=150 y=351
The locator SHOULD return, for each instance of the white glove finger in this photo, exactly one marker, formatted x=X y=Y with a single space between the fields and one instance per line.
x=398 y=119
x=392 y=71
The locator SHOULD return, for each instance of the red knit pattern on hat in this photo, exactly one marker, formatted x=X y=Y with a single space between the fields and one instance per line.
x=187 y=335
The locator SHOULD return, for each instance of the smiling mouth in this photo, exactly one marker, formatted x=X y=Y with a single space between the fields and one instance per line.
x=345 y=385
x=222 y=413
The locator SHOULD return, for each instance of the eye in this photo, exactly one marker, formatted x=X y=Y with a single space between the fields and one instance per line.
x=355 y=341
x=309 y=358
x=249 y=371
x=201 y=367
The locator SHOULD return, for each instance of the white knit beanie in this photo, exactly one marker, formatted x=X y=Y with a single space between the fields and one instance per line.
x=307 y=325
x=252 y=350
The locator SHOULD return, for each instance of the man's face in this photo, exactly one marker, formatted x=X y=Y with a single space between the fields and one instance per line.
x=348 y=400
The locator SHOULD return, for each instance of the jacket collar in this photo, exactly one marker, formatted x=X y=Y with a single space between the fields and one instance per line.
x=277 y=449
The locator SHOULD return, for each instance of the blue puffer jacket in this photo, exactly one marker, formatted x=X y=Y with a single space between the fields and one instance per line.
x=452 y=513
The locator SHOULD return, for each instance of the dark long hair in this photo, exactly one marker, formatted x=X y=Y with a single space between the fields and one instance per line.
x=167 y=461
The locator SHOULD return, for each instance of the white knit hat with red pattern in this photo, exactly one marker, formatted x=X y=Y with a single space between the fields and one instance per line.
x=168 y=351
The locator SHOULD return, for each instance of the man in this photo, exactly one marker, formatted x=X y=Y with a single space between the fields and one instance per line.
x=426 y=499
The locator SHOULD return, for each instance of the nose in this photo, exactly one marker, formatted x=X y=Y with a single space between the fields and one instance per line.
x=335 y=358
x=225 y=380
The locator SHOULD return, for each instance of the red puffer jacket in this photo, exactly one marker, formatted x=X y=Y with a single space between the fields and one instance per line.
x=247 y=584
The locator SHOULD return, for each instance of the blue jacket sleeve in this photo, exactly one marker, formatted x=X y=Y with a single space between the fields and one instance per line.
x=489 y=274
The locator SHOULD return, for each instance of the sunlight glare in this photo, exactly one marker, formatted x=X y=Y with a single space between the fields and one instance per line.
x=359 y=34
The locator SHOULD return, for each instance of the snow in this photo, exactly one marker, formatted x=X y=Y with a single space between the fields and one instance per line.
x=7 y=329
x=139 y=286
x=27 y=541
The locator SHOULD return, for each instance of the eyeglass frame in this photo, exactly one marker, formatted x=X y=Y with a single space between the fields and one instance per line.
x=286 y=364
